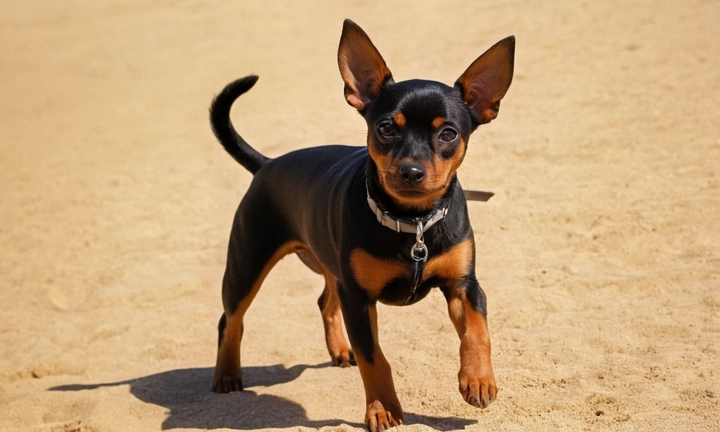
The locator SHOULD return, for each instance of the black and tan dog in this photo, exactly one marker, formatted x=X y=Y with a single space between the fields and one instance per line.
x=386 y=222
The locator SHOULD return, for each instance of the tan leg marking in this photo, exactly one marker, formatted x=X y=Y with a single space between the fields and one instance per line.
x=228 y=373
x=329 y=305
x=337 y=345
x=383 y=408
x=476 y=378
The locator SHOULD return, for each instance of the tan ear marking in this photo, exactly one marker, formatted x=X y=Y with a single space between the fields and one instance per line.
x=362 y=68
x=487 y=80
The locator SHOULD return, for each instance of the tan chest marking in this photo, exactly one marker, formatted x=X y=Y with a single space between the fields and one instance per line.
x=454 y=264
x=373 y=273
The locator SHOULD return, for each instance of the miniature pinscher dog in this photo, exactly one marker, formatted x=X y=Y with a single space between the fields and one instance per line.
x=384 y=222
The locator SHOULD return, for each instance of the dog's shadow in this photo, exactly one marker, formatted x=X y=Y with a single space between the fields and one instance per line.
x=186 y=394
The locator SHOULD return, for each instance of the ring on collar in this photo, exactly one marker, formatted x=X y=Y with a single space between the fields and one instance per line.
x=419 y=251
x=418 y=226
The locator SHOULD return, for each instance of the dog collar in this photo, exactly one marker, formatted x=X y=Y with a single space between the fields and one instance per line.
x=418 y=252
x=400 y=225
x=417 y=226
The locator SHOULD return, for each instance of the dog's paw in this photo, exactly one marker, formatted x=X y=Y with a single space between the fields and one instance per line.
x=227 y=383
x=344 y=359
x=378 y=419
x=478 y=389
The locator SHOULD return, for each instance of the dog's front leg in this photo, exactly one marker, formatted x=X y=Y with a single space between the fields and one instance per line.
x=468 y=312
x=360 y=314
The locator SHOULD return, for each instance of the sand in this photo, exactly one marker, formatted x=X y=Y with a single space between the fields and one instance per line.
x=599 y=253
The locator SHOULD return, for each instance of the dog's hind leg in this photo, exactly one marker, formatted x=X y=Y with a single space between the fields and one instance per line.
x=249 y=261
x=329 y=305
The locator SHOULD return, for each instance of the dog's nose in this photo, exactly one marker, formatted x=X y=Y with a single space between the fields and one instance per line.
x=412 y=173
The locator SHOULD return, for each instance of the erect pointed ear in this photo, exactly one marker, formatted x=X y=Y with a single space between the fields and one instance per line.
x=487 y=80
x=361 y=67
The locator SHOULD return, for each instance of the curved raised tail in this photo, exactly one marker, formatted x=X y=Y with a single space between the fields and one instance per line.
x=223 y=129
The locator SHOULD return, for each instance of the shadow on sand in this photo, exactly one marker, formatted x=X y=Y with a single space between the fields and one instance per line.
x=186 y=394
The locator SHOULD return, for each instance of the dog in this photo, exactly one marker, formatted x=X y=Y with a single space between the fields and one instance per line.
x=385 y=222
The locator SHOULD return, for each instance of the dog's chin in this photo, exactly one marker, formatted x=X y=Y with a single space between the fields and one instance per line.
x=413 y=194
x=415 y=199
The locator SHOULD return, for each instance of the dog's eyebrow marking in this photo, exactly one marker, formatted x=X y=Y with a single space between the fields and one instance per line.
x=437 y=122
x=400 y=119
x=373 y=273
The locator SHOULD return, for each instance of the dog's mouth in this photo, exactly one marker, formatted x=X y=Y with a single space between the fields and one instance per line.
x=417 y=194
x=414 y=194
x=415 y=198
x=430 y=187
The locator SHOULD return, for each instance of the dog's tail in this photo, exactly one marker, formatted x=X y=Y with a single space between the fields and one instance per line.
x=223 y=129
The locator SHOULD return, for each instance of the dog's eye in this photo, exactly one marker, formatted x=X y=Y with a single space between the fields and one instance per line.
x=386 y=130
x=448 y=135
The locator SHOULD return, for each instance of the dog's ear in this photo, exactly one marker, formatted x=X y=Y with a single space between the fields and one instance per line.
x=361 y=67
x=487 y=80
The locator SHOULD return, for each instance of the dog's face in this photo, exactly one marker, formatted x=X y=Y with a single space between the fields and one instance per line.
x=418 y=130
x=417 y=137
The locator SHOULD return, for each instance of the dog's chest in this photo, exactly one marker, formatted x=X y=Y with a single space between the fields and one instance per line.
x=395 y=281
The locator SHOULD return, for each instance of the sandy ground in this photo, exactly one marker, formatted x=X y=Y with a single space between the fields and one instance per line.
x=599 y=254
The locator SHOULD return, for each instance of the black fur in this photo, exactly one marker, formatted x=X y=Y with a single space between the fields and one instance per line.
x=314 y=200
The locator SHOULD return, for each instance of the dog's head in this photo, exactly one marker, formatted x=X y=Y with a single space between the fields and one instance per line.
x=418 y=130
